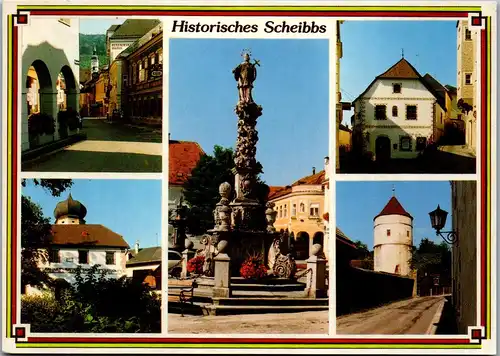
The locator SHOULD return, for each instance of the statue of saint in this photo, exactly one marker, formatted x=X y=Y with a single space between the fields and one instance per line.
x=245 y=74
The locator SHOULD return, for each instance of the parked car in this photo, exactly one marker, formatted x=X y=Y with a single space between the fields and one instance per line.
x=174 y=263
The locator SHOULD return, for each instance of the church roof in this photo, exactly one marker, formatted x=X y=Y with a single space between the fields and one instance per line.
x=146 y=255
x=393 y=207
x=70 y=207
x=86 y=235
x=183 y=156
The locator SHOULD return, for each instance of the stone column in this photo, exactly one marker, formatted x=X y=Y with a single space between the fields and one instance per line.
x=316 y=284
x=222 y=272
x=48 y=105
x=187 y=254
x=25 y=142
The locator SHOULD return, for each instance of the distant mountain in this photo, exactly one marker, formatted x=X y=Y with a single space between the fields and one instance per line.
x=87 y=44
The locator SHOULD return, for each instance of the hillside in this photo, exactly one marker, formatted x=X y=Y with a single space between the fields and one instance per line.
x=87 y=43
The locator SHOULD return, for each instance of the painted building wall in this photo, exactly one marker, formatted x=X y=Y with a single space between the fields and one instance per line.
x=467 y=65
x=55 y=43
x=413 y=92
x=393 y=240
x=118 y=45
x=65 y=269
x=130 y=270
x=345 y=139
x=115 y=80
x=464 y=270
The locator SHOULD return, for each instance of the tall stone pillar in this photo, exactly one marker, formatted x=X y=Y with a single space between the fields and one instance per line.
x=316 y=283
x=222 y=272
x=48 y=105
x=25 y=142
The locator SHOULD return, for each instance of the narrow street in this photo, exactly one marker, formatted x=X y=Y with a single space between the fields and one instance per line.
x=108 y=148
x=411 y=316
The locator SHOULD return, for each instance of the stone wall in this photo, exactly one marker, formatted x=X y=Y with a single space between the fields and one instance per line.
x=359 y=289
x=464 y=268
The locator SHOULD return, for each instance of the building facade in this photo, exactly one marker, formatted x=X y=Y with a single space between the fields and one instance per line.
x=467 y=80
x=300 y=208
x=393 y=239
x=144 y=265
x=464 y=259
x=50 y=66
x=76 y=244
x=397 y=115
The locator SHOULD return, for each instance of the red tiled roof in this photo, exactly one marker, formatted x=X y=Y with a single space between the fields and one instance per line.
x=402 y=70
x=393 y=207
x=94 y=235
x=314 y=179
x=183 y=157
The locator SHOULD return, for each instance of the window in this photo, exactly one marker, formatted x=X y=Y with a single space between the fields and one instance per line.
x=54 y=256
x=394 y=111
x=380 y=112
x=285 y=212
x=411 y=112
x=294 y=209
x=441 y=118
x=280 y=209
x=314 y=210
x=468 y=34
x=302 y=208
x=160 y=57
x=388 y=232
x=405 y=143
x=468 y=79
x=110 y=258
x=83 y=257
x=396 y=88
x=407 y=233
x=421 y=143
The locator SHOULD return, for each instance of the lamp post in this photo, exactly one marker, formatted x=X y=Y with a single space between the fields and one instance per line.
x=438 y=221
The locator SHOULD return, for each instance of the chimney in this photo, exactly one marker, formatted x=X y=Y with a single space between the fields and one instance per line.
x=137 y=246
x=314 y=170
x=169 y=136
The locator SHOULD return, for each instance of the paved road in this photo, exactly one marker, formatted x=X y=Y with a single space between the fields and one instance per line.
x=108 y=148
x=412 y=316
x=314 y=322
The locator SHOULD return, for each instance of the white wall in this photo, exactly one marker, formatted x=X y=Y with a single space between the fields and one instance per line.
x=118 y=46
x=57 y=45
x=393 y=250
x=130 y=270
x=413 y=92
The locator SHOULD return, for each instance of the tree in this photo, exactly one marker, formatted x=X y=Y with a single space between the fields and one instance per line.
x=36 y=232
x=201 y=190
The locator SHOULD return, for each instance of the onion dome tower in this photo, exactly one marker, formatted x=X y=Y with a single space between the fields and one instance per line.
x=393 y=239
x=70 y=211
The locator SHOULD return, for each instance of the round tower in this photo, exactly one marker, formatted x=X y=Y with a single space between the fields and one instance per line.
x=70 y=211
x=393 y=239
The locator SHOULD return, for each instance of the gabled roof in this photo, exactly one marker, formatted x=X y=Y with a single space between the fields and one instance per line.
x=344 y=128
x=183 y=156
x=146 y=255
x=393 y=207
x=113 y=27
x=134 y=28
x=343 y=238
x=313 y=179
x=402 y=70
x=438 y=89
x=88 y=235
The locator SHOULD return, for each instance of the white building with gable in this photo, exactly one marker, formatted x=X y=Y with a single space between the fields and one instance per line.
x=397 y=115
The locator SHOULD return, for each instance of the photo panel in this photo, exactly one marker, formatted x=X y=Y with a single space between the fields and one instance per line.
x=92 y=94
x=247 y=211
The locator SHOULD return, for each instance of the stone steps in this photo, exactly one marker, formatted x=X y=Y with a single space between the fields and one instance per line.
x=260 y=309
x=270 y=301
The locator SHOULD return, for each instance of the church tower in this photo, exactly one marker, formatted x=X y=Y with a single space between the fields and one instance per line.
x=70 y=212
x=393 y=239
x=94 y=63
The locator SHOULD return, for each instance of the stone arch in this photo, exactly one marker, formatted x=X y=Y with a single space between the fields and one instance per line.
x=302 y=245
x=38 y=85
x=318 y=238
x=71 y=88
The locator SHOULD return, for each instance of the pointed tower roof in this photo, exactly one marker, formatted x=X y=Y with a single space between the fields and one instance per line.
x=401 y=70
x=70 y=207
x=393 y=207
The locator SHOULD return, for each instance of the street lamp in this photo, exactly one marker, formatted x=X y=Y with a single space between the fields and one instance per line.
x=438 y=221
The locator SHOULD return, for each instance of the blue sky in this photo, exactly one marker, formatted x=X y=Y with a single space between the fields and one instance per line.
x=372 y=47
x=98 y=25
x=291 y=86
x=131 y=208
x=359 y=202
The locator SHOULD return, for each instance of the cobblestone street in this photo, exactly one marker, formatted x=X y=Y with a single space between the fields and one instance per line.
x=108 y=148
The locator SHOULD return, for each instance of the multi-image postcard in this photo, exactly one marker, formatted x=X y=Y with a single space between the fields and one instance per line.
x=328 y=186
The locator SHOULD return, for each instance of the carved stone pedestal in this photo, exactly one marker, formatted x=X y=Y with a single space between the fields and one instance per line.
x=316 y=283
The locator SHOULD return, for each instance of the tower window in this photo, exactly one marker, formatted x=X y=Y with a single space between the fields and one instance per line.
x=407 y=234
x=396 y=88
x=110 y=258
x=468 y=79
x=468 y=34
x=83 y=257
x=388 y=232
